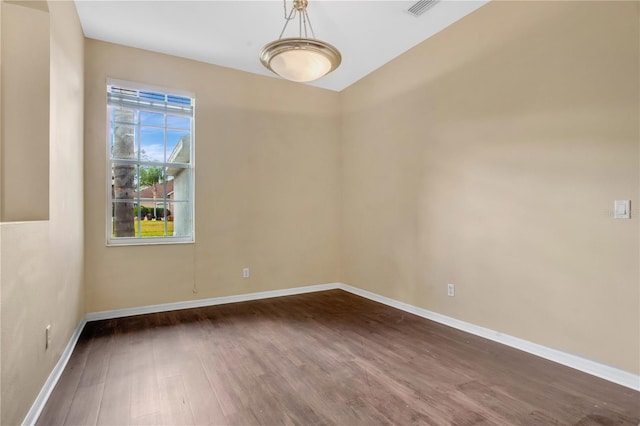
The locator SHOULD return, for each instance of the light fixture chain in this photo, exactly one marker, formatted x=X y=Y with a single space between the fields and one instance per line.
x=287 y=19
x=307 y=20
x=303 y=18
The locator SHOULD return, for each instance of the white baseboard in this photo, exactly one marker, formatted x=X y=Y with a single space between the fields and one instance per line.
x=585 y=365
x=199 y=303
x=38 y=405
x=594 y=368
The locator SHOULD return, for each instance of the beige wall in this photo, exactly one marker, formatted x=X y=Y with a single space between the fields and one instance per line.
x=41 y=263
x=1 y=161
x=489 y=157
x=24 y=182
x=267 y=185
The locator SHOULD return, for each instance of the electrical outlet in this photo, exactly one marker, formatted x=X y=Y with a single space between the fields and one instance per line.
x=245 y=273
x=451 y=290
x=47 y=333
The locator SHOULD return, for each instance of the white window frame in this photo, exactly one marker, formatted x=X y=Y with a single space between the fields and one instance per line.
x=128 y=241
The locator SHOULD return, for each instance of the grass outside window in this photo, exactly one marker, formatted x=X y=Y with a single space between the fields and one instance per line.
x=152 y=228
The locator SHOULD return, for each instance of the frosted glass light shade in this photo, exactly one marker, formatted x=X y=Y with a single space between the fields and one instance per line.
x=300 y=59
x=300 y=65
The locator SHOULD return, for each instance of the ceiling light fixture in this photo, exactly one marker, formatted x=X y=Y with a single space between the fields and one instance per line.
x=301 y=58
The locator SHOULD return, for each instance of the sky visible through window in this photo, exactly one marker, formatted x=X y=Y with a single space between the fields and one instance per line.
x=152 y=135
x=151 y=128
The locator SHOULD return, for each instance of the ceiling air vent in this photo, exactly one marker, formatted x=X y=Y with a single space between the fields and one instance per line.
x=421 y=6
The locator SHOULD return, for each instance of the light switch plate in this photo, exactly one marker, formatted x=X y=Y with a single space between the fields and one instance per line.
x=622 y=209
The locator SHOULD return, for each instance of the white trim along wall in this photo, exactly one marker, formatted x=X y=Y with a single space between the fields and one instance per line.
x=594 y=368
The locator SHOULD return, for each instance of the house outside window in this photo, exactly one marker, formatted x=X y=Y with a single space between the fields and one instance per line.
x=150 y=165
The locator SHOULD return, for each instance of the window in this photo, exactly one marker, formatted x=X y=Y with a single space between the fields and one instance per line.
x=150 y=166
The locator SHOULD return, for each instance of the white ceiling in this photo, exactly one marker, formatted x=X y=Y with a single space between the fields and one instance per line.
x=368 y=33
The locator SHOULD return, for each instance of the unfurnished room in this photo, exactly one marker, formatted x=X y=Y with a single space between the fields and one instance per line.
x=319 y=212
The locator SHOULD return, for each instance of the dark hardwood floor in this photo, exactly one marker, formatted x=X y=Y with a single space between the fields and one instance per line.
x=316 y=359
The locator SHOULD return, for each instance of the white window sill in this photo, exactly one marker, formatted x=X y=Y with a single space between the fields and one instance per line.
x=149 y=241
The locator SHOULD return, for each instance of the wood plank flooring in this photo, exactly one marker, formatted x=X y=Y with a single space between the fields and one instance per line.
x=329 y=358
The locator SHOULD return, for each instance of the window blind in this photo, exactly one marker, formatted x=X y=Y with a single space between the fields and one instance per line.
x=149 y=101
